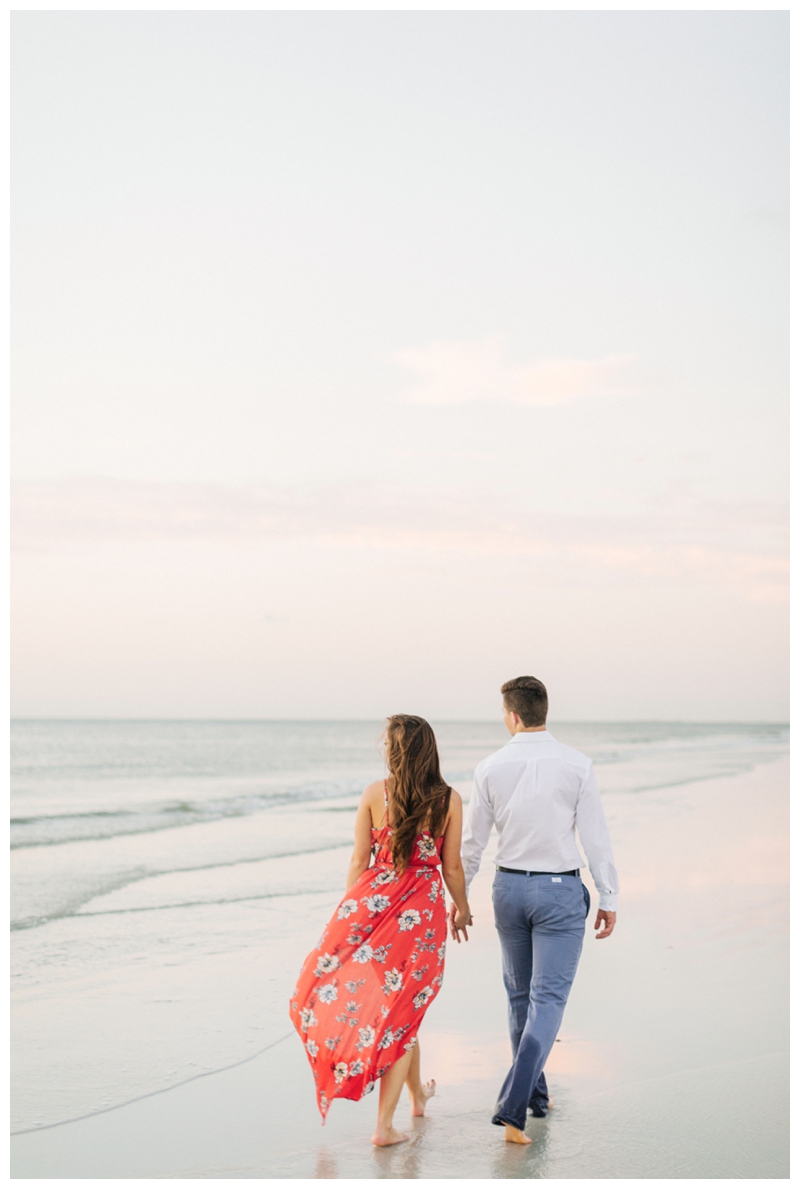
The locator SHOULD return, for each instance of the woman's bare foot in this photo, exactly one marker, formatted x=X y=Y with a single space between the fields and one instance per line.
x=420 y=1096
x=385 y=1137
x=515 y=1136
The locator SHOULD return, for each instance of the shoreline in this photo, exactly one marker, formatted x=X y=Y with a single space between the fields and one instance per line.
x=644 y=1052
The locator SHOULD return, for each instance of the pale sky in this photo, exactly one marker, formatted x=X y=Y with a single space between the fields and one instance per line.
x=363 y=360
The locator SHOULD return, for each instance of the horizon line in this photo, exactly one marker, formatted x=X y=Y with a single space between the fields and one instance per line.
x=690 y=722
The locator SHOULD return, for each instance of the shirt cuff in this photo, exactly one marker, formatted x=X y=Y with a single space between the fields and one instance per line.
x=607 y=903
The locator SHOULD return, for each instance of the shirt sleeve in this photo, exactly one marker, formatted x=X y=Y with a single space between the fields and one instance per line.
x=477 y=827
x=596 y=842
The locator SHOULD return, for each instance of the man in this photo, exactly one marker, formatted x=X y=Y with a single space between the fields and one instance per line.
x=537 y=791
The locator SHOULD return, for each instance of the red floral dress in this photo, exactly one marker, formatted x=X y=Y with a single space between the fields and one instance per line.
x=362 y=993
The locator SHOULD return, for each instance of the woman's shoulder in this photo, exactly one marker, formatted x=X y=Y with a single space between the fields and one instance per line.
x=373 y=799
x=455 y=797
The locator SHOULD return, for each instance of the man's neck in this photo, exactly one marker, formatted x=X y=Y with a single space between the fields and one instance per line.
x=529 y=730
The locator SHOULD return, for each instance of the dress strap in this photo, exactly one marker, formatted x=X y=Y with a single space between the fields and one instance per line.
x=386 y=799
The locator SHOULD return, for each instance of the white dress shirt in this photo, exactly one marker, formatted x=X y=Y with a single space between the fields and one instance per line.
x=537 y=792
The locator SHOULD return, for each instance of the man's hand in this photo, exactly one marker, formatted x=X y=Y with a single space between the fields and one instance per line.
x=608 y=920
x=457 y=923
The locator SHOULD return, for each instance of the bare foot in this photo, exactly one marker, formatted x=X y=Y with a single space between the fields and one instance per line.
x=385 y=1137
x=515 y=1136
x=420 y=1097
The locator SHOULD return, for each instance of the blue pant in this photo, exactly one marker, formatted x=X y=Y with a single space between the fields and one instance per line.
x=541 y=921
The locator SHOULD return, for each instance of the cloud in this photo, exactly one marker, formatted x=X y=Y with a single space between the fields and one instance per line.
x=454 y=372
x=741 y=544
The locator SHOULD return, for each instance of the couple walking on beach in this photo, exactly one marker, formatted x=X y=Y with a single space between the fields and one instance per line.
x=364 y=990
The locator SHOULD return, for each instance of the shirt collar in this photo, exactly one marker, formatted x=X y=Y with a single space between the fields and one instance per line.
x=529 y=736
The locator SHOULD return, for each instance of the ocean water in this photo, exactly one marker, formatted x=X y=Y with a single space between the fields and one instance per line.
x=168 y=878
x=92 y=780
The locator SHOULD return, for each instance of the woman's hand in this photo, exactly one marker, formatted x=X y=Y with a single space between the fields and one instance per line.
x=458 y=922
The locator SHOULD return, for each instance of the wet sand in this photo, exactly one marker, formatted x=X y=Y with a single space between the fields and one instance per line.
x=672 y=1061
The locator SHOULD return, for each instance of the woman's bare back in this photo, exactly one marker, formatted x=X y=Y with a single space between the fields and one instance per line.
x=377 y=805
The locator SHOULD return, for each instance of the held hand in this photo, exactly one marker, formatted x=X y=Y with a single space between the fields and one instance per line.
x=458 y=921
x=608 y=920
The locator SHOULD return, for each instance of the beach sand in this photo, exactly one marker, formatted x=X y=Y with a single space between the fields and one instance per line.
x=671 y=1063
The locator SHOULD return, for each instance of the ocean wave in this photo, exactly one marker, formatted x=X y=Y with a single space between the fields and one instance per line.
x=73 y=905
x=91 y=781
x=83 y=826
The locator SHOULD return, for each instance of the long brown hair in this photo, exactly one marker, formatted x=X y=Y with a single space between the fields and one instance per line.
x=420 y=798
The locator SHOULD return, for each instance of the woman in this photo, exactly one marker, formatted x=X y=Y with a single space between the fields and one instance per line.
x=362 y=993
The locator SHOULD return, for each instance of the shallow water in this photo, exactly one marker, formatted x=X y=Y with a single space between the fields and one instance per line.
x=169 y=878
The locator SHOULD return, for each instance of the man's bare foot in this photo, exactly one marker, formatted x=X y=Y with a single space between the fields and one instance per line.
x=515 y=1136
x=420 y=1097
x=384 y=1137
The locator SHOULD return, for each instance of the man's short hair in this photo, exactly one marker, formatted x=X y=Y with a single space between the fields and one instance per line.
x=527 y=697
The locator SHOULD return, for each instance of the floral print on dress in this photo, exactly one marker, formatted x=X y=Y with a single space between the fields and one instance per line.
x=360 y=1000
x=326 y=964
x=393 y=981
x=376 y=904
x=366 y=1037
x=307 y=1019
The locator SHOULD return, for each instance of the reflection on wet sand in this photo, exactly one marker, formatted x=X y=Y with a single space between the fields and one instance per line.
x=444 y=1142
x=404 y=1161
x=326 y=1165
x=516 y=1160
x=454 y=1057
x=579 y=1057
